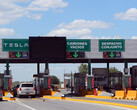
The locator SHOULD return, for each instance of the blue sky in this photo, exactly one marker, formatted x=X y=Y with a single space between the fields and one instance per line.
x=71 y=18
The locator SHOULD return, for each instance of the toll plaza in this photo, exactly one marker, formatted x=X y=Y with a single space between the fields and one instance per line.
x=61 y=50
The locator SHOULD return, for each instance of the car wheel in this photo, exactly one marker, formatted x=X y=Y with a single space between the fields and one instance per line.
x=33 y=96
x=0 y=99
x=19 y=96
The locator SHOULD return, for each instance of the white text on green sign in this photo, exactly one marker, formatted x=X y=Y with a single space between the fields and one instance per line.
x=78 y=45
x=111 y=45
x=15 y=44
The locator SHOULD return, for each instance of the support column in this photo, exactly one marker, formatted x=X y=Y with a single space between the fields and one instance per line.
x=7 y=67
x=6 y=77
x=71 y=84
x=38 y=87
x=126 y=67
x=126 y=76
x=47 y=67
x=38 y=68
x=89 y=67
x=108 y=74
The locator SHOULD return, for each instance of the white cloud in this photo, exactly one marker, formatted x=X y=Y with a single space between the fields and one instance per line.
x=79 y=28
x=17 y=0
x=130 y=14
x=34 y=16
x=45 y=5
x=134 y=37
x=6 y=32
x=70 y=32
x=85 y=24
x=104 y=37
x=10 y=11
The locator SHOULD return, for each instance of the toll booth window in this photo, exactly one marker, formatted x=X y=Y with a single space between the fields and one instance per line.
x=100 y=79
x=114 y=80
x=135 y=74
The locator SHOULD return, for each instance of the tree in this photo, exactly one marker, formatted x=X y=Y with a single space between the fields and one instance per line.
x=15 y=83
x=113 y=70
x=83 y=68
x=54 y=80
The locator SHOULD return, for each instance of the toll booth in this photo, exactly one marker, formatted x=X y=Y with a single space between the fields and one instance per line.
x=133 y=72
x=115 y=80
x=46 y=82
x=127 y=81
x=67 y=80
x=41 y=82
x=67 y=83
x=79 y=82
x=2 y=81
x=100 y=77
x=7 y=79
x=90 y=82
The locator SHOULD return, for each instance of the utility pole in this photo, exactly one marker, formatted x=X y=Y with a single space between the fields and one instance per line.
x=71 y=84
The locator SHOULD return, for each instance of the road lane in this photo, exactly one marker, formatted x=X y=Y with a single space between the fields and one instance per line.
x=48 y=104
x=10 y=105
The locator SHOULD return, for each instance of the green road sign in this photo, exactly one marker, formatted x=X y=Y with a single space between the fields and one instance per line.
x=73 y=45
x=111 y=45
x=15 y=44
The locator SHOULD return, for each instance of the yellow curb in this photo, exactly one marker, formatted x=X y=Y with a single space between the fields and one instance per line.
x=35 y=99
x=105 y=103
x=90 y=101
x=7 y=98
x=52 y=97
x=102 y=97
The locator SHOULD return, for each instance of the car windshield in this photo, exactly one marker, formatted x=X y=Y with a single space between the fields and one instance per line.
x=27 y=85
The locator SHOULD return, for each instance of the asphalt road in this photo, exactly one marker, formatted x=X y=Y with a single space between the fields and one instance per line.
x=49 y=104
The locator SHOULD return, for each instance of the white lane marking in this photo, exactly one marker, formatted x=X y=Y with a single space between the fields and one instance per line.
x=22 y=104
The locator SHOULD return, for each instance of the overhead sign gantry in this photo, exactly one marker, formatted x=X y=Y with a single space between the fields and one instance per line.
x=57 y=50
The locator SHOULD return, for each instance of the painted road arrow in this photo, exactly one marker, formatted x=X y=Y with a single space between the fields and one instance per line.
x=112 y=55
x=75 y=55
x=18 y=54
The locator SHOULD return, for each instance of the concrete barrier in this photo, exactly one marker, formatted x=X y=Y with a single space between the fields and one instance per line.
x=99 y=92
x=131 y=95
x=119 y=94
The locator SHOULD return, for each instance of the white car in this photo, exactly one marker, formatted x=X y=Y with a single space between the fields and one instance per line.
x=26 y=89
x=1 y=95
